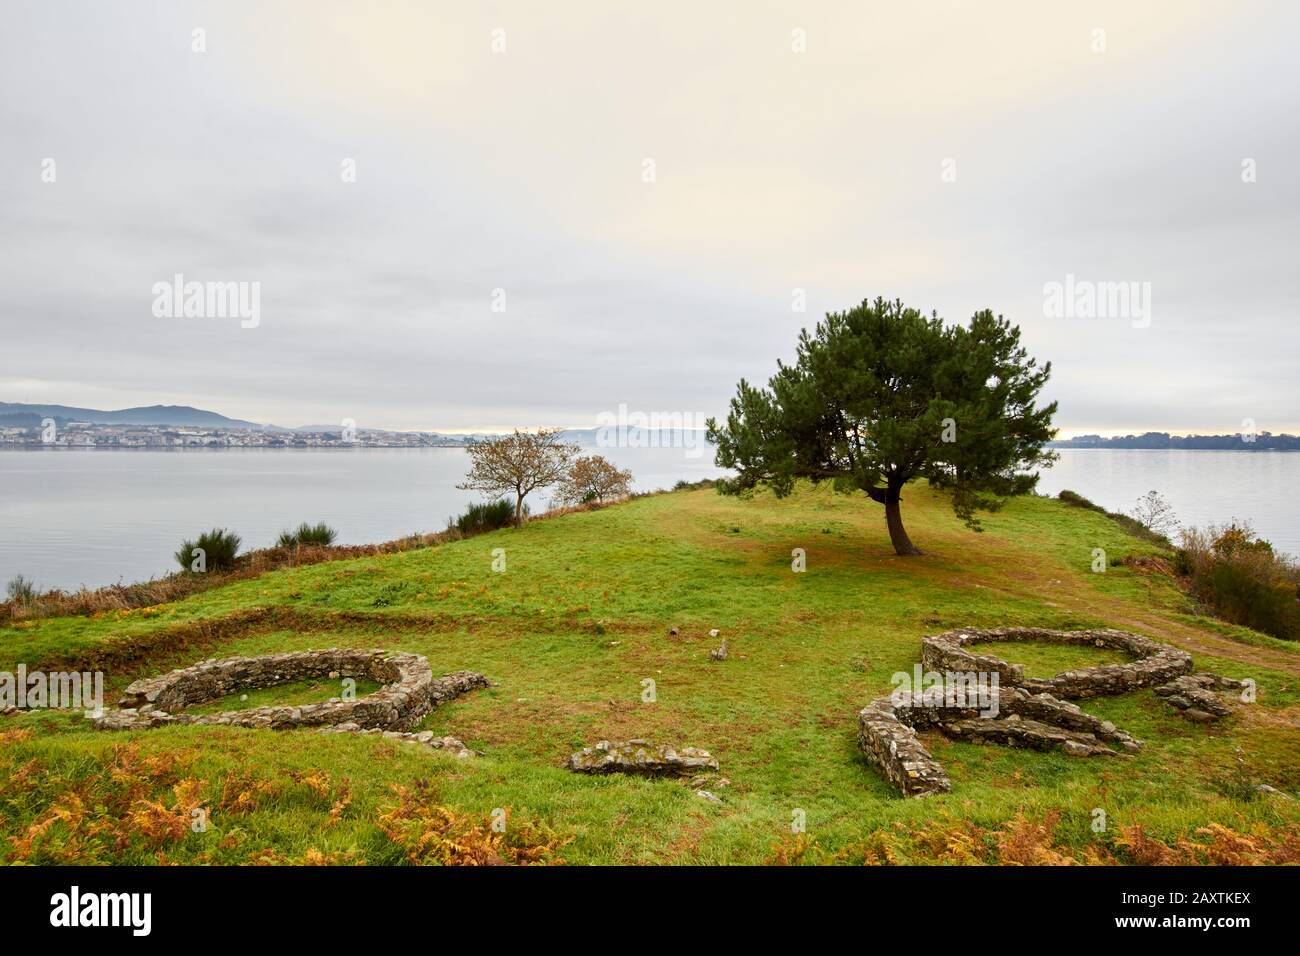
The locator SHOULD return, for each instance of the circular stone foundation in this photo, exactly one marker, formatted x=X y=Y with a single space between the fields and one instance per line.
x=1020 y=711
x=1154 y=663
x=410 y=691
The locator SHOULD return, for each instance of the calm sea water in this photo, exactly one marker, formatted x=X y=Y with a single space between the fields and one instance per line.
x=1204 y=487
x=95 y=517
x=70 y=517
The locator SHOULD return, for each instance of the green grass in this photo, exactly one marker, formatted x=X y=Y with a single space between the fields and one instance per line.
x=288 y=694
x=582 y=616
x=1041 y=659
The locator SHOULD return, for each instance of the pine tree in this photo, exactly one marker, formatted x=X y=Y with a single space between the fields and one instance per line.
x=880 y=395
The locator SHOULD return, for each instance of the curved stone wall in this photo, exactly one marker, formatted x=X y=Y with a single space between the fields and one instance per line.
x=410 y=691
x=1154 y=663
x=1021 y=712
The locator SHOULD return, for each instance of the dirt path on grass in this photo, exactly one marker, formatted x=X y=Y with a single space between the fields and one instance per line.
x=1003 y=567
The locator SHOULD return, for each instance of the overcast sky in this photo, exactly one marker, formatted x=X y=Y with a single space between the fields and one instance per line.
x=958 y=156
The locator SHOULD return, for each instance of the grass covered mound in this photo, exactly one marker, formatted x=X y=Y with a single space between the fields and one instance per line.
x=572 y=632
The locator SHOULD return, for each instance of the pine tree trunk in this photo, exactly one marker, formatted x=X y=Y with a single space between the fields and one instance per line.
x=894 y=518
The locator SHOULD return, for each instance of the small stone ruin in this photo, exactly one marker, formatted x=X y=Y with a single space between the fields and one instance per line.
x=640 y=757
x=409 y=693
x=1025 y=711
x=1195 y=695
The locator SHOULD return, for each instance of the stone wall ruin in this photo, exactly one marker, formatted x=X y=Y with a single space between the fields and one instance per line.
x=409 y=692
x=1030 y=712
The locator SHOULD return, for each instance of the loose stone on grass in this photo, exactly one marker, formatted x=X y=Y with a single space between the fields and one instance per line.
x=1195 y=695
x=425 y=738
x=640 y=757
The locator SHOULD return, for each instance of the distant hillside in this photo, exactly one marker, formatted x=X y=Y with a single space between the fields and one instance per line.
x=17 y=414
x=635 y=437
x=1263 y=441
x=144 y=415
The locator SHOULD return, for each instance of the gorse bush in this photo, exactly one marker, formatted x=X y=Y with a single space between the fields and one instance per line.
x=218 y=548
x=21 y=589
x=1242 y=578
x=319 y=535
x=488 y=516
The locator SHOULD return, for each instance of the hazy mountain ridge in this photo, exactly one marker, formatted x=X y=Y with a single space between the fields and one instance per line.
x=139 y=415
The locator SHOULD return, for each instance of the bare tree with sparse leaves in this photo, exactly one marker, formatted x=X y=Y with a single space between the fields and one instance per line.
x=593 y=478
x=519 y=464
x=1155 y=513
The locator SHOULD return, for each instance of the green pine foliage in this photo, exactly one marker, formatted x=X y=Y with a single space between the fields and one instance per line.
x=881 y=395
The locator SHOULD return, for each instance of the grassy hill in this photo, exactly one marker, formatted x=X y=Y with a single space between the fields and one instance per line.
x=569 y=631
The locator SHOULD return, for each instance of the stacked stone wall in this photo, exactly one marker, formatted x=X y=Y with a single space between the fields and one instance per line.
x=409 y=691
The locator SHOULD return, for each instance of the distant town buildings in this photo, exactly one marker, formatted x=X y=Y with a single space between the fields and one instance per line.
x=90 y=435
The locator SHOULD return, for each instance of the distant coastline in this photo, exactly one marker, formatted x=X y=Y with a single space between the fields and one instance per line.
x=182 y=426
x=86 y=435
x=1242 y=441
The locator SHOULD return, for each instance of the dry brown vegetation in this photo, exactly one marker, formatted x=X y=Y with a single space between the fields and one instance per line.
x=144 y=805
x=1025 y=841
x=431 y=833
x=1242 y=578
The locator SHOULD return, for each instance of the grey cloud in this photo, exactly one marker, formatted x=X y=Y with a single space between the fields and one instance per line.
x=473 y=174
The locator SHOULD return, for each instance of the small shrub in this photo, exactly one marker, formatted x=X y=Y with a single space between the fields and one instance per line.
x=684 y=485
x=488 y=516
x=21 y=590
x=1235 y=786
x=219 y=548
x=1155 y=514
x=1240 y=576
x=1076 y=500
x=393 y=593
x=318 y=535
